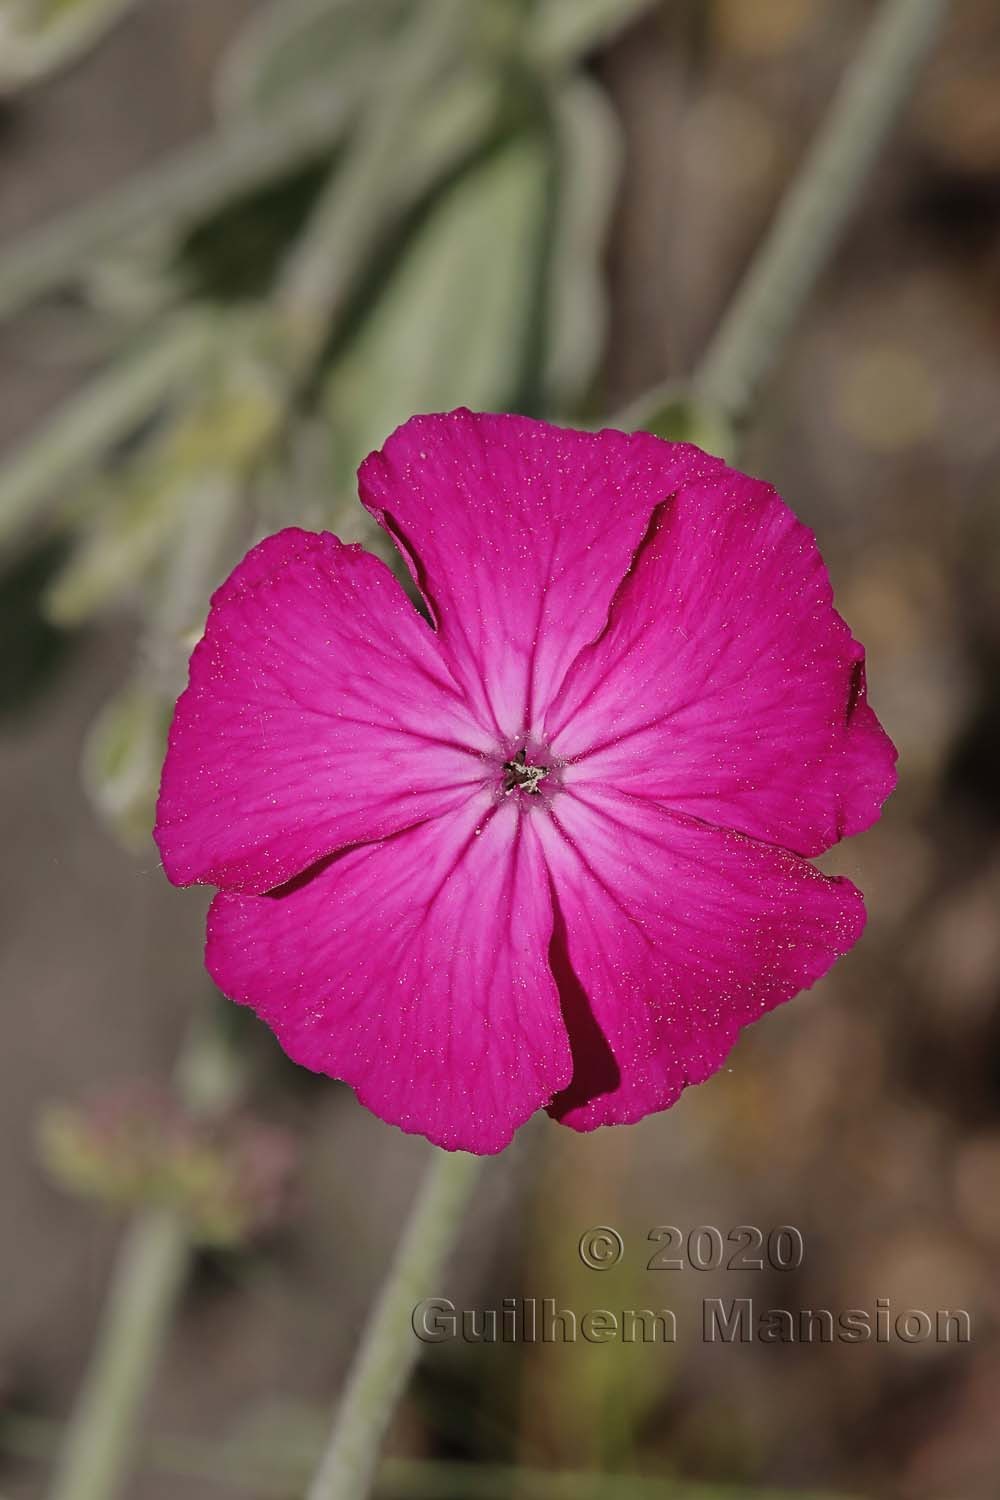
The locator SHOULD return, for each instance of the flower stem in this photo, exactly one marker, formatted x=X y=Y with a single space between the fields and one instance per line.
x=389 y=1347
x=147 y=1279
x=804 y=233
x=145 y=1287
x=810 y=220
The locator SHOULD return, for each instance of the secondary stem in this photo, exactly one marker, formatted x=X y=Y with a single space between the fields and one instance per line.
x=783 y=273
x=147 y=1279
x=812 y=216
x=145 y=1287
x=806 y=228
x=389 y=1347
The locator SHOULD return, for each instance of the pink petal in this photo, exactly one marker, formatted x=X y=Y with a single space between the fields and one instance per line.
x=671 y=936
x=518 y=534
x=416 y=970
x=725 y=684
x=319 y=713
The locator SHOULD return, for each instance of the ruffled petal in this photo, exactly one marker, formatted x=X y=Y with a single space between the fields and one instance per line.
x=416 y=971
x=319 y=714
x=670 y=936
x=725 y=684
x=518 y=534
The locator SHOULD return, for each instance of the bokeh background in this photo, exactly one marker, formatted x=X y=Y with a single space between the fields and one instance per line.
x=272 y=241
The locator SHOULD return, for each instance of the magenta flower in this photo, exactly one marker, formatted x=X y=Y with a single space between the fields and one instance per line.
x=548 y=851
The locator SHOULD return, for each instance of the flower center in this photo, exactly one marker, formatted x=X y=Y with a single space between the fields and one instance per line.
x=518 y=776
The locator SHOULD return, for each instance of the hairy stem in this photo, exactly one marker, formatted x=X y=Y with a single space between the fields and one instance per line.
x=808 y=225
x=747 y=343
x=146 y=1283
x=812 y=217
x=147 y=1278
x=389 y=1347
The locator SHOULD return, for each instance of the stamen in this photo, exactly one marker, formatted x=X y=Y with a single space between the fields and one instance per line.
x=520 y=777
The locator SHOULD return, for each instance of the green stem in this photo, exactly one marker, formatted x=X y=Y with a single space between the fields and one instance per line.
x=812 y=217
x=147 y=1280
x=389 y=1347
x=778 y=283
x=809 y=223
x=146 y=1284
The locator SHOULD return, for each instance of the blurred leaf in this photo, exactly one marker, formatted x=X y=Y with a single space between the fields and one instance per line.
x=589 y=156
x=208 y=448
x=134 y=282
x=452 y=325
x=232 y=255
x=455 y=123
x=129 y=525
x=295 y=43
x=122 y=755
x=174 y=195
x=109 y=409
x=457 y=129
x=676 y=413
x=562 y=31
x=294 y=46
x=39 y=36
x=366 y=197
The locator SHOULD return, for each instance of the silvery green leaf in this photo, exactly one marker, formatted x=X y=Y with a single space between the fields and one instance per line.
x=130 y=518
x=589 y=157
x=293 y=44
x=451 y=326
x=122 y=755
x=127 y=525
x=676 y=412
x=246 y=158
x=71 y=445
x=137 y=281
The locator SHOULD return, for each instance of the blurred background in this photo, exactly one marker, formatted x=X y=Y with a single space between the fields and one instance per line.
x=239 y=242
